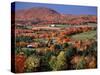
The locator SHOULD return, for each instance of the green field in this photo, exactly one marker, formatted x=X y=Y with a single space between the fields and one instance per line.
x=85 y=35
x=66 y=25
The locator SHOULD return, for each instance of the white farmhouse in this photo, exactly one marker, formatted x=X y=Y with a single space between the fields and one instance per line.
x=53 y=25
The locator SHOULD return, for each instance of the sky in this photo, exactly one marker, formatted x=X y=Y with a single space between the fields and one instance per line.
x=64 y=9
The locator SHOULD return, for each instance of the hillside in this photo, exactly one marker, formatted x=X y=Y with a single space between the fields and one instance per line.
x=42 y=15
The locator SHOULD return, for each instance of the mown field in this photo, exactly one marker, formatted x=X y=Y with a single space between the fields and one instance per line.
x=85 y=35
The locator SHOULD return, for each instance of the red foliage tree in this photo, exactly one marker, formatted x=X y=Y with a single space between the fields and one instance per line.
x=19 y=63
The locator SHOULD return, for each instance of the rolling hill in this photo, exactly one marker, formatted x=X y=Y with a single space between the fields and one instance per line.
x=43 y=15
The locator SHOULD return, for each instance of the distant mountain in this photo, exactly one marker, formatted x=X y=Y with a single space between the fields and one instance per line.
x=42 y=15
x=37 y=14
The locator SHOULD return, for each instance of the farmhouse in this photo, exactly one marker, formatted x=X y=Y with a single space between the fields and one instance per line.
x=52 y=25
x=32 y=45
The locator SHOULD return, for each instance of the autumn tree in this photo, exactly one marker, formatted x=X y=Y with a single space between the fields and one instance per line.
x=52 y=62
x=59 y=62
x=81 y=64
x=65 y=45
x=32 y=63
x=19 y=63
x=70 y=51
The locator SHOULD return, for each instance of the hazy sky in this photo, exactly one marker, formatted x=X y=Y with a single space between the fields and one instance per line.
x=66 y=9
